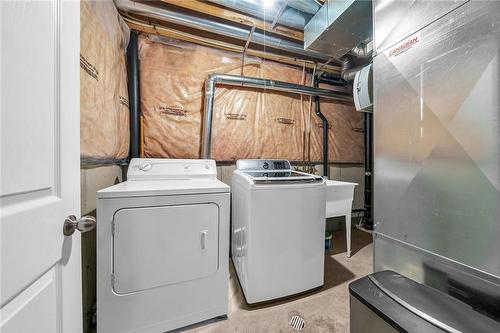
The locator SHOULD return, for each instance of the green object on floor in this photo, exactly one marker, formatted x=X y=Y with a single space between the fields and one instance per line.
x=328 y=240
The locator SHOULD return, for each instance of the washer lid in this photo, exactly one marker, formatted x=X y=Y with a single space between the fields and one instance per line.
x=280 y=177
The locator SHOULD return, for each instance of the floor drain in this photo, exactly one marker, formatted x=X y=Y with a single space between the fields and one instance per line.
x=297 y=323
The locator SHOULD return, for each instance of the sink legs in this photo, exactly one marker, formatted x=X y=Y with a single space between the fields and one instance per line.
x=348 y=233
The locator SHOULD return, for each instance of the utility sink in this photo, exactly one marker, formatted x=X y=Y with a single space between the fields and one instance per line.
x=339 y=197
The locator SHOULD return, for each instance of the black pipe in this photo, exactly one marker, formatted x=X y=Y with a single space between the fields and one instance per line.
x=368 y=218
x=338 y=82
x=133 y=93
x=325 y=131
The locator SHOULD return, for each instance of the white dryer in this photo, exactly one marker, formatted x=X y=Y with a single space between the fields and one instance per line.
x=162 y=247
x=278 y=229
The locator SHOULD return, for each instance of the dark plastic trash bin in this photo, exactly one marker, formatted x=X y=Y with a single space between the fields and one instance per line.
x=389 y=302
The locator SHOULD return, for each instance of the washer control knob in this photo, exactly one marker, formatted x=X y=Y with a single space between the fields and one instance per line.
x=146 y=166
x=265 y=165
x=207 y=166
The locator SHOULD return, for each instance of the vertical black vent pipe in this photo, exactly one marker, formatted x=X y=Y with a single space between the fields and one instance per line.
x=325 y=131
x=133 y=93
x=368 y=218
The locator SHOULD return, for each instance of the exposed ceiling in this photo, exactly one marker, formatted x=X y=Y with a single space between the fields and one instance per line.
x=272 y=29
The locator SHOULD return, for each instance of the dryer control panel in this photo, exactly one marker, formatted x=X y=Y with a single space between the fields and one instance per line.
x=282 y=165
x=163 y=168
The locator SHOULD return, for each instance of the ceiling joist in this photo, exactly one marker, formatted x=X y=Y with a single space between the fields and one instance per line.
x=236 y=17
x=138 y=25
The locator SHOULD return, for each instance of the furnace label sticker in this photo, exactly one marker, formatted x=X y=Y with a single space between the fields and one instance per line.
x=404 y=46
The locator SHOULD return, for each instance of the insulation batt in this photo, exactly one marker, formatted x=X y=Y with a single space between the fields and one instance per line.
x=104 y=105
x=247 y=123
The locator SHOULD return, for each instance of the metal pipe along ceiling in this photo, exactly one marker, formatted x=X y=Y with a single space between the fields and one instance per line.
x=191 y=21
x=307 y=6
x=253 y=82
x=296 y=14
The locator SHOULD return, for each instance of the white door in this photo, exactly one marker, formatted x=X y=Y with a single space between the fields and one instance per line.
x=40 y=280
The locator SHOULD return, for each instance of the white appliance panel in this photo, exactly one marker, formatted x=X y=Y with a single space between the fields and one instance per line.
x=159 y=168
x=285 y=242
x=277 y=235
x=158 y=246
x=167 y=307
x=165 y=264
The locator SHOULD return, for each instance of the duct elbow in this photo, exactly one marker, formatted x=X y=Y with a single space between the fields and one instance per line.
x=363 y=50
x=349 y=74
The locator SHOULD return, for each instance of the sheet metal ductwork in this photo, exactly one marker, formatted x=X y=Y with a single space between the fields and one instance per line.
x=296 y=14
x=306 y=6
x=200 y=23
x=338 y=27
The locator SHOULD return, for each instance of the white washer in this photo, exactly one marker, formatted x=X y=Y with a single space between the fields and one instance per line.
x=162 y=247
x=278 y=229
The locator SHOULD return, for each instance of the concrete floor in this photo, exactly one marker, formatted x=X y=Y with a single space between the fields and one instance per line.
x=324 y=310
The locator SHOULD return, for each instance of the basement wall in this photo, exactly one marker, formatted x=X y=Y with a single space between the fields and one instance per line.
x=104 y=106
x=104 y=121
x=248 y=123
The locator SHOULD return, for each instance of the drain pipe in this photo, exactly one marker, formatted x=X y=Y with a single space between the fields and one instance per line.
x=368 y=216
x=253 y=82
x=325 y=130
x=133 y=93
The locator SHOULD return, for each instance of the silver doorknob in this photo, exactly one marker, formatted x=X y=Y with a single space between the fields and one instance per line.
x=83 y=224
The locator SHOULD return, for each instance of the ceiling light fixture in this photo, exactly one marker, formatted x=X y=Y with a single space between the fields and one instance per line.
x=268 y=3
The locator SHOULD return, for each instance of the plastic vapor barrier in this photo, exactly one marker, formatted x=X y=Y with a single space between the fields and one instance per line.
x=104 y=106
x=247 y=123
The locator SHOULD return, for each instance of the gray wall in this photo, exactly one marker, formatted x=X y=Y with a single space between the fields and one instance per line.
x=94 y=179
x=91 y=181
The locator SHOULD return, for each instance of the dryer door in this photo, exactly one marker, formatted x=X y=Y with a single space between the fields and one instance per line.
x=157 y=246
